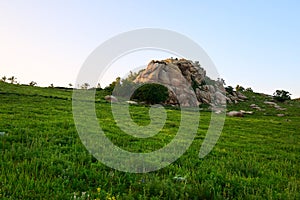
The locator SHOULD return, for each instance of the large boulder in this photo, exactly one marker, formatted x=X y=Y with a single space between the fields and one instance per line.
x=185 y=81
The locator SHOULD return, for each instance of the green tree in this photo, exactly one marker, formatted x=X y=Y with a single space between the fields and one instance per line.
x=3 y=78
x=281 y=95
x=131 y=77
x=12 y=79
x=239 y=88
x=85 y=86
x=249 y=89
x=229 y=90
x=151 y=93
x=32 y=83
x=111 y=86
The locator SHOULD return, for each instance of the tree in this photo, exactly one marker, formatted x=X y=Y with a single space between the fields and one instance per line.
x=229 y=90
x=249 y=89
x=131 y=77
x=32 y=83
x=98 y=87
x=111 y=86
x=221 y=81
x=3 y=78
x=51 y=85
x=281 y=95
x=70 y=85
x=151 y=93
x=239 y=88
x=12 y=79
x=85 y=86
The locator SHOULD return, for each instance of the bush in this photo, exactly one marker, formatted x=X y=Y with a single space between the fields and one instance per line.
x=281 y=95
x=112 y=86
x=229 y=90
x=151 y=93
x=249 y=89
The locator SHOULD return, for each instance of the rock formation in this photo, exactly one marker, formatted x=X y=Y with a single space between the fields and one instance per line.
x=187 y=83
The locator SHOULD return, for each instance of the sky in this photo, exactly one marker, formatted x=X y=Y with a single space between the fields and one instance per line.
x=252 y=43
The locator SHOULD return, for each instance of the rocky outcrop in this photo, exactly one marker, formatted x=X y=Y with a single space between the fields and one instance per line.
x=187 y=83
x=275 y=105
x=235 y=97
x=176 y=76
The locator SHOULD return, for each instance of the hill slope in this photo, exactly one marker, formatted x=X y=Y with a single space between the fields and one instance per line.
x=42 y=157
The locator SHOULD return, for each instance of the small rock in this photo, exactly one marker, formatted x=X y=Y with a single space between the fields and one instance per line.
x=218 y=112
x=279 y=108
x=270 y=103
x=241 y=96
x=254 y=106
x=246 y=112
x=132 y=102
x=280 y=115
x=110 y=98
x=235 y=114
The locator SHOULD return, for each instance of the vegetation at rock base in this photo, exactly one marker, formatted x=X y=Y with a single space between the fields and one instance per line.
x=151 y=93
x=229 y=90
x=42 y=156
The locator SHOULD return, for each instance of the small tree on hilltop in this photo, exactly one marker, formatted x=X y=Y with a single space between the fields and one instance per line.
x=151 y=93
x=85 y=86
x=32 y=83
x=239 y=88
x=281 y=95
x=12 y=79
x=3 y=78
x=111 y=86
x=249 y=89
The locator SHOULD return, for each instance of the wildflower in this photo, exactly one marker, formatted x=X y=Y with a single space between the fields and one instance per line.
x=98 y=190
x=74 y=195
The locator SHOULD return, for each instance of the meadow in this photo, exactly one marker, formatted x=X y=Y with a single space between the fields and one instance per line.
x=42 y=156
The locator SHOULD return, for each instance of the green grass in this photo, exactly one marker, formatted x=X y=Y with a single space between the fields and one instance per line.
x=42 y=157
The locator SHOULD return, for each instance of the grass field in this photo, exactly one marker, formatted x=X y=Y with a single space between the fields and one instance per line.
x=42 y=157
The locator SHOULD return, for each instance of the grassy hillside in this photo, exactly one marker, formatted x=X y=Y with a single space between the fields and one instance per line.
x=42 y=157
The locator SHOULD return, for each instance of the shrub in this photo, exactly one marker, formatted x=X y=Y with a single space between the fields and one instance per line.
x=229 y=90
x=151 y=93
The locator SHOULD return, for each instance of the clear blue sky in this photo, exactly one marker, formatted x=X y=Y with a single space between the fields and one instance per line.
x=252 y=43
